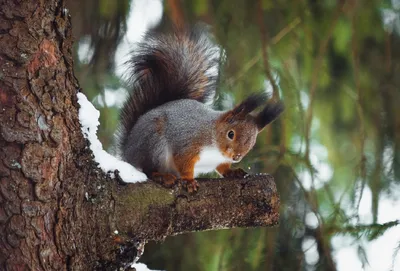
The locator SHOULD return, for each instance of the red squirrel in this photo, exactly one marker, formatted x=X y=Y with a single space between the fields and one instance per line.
x=166 y=128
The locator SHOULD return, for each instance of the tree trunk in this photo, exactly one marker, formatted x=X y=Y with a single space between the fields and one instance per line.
x=58 y=211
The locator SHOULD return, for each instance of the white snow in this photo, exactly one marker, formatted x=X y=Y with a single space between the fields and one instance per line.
x=89 y=119
x=141 y=267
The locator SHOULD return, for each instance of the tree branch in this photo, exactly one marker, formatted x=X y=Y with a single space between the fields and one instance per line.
x=219 y=204
x=120 y=218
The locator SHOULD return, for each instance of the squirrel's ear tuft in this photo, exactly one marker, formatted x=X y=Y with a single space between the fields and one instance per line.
x=247 y=106
x=270 y=112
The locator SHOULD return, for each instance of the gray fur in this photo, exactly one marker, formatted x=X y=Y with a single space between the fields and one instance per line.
x=179 y=131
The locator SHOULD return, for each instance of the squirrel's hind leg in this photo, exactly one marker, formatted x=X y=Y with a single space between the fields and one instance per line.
x=165 y=173
x=163 y=169
x=185 y=166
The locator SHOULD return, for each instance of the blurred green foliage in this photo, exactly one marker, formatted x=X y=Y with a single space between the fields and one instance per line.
x=336 y=66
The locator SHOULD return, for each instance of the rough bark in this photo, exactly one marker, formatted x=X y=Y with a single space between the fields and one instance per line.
x=58 y=211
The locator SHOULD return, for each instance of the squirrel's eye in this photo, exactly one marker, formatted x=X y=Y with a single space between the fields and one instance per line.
x=231 y=134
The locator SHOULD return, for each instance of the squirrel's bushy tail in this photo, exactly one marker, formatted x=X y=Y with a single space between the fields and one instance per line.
x=168 y=67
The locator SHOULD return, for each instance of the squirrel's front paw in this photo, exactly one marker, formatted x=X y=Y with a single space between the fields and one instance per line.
x=236 y=173
x=166 y=179
x=190 y=185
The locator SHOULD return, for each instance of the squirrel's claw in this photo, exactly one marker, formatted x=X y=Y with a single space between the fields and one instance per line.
x=236 y=173
x=190 y=185
x=169 y=180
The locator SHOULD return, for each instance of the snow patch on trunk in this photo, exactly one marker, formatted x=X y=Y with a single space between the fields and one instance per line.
x=89 y=120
